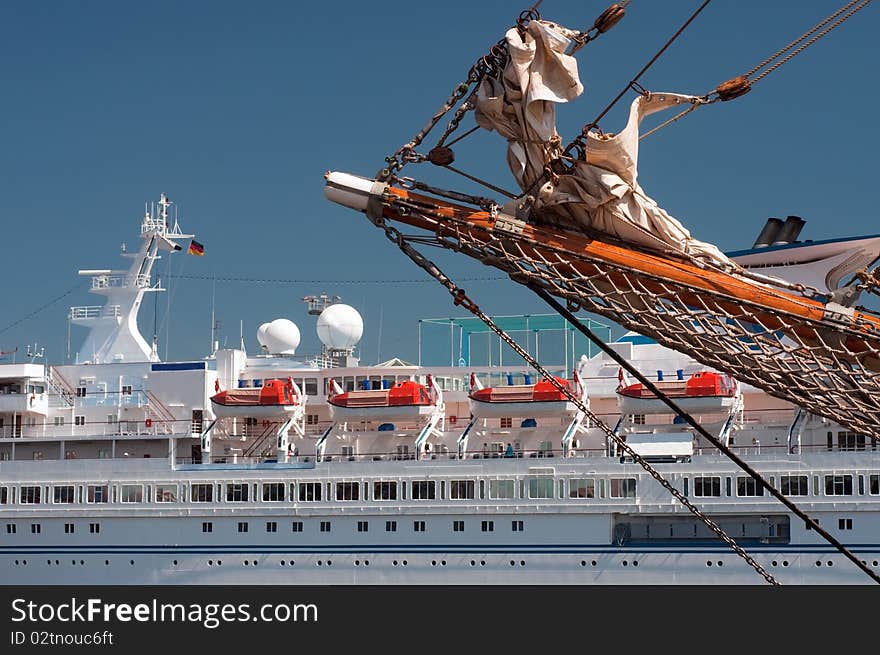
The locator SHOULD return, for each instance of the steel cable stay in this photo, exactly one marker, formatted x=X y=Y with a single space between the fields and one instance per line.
x=738 y=86
x=460 y=298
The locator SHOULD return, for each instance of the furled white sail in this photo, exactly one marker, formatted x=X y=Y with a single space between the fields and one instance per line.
x=601 y=194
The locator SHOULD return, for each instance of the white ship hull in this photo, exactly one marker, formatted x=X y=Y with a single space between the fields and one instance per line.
x=630 y=405
x=387 y=414
x=481 y=409
x=255 y=411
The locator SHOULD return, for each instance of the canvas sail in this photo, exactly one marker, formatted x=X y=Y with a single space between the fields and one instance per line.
x=600 y=194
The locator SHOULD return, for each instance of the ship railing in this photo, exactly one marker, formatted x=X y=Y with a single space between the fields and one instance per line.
x=94 y=311
x=95 y=429
x=140 y=280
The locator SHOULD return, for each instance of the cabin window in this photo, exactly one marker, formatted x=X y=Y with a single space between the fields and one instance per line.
x=517 y=526
x=501 y=489
x=30 y=495
x=132 y=493
x=237 y=492
x=166 y=493
x=97 y=493
x=874 y=484
x=850 y=441
x=458 y=526
x=58 y=421
x=242 y=526
x=202 y=493
x=10 y=528
x=384 y=491
x=296 y=526
x=540 y=487
x=325 y=526
x=309 y=491
x=506 y=422
x=63 y=494
x=793 y=485
x=4 y=495
x=36 y=528
x=80 y=392
x=838 y=485
x=69 y=528
x=348 y=490
x=273 y=492
x=311 y=419
x=207 y=526
x=461 y=489
x=363 y=526
x=844 y=524
x=487 y=526
x=638 y=419
x=582 y=488
x=271 y=526
x=418 y=526
x=311 y=386
x=390 y=526
x=126 y=389
x=79 y=420
x=622 y=488
x=707 y=486
x=748 y=486
x=94 y=528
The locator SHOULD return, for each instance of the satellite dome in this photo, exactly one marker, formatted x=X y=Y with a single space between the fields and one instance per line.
x=340 y=327
x=280 y=337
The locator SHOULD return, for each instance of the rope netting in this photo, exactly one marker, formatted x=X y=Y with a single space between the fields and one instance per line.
x=826 y=367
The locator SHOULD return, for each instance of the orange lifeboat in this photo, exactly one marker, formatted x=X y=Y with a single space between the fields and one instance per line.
x=274 y=399
x=406 y=400
x=521 y=400
x=704 y=391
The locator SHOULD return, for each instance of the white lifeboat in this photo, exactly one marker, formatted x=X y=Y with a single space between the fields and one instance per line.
x=541 y=399
x=704 y=391
x=276 y=398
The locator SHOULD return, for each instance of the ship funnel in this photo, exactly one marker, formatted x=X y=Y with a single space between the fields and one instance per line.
x=768 y=233
x=790 y=231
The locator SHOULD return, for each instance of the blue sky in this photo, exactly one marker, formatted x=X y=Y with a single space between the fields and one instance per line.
x=236 y=110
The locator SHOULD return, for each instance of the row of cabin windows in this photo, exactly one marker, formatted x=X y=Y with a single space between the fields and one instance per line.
x=362 y=526
x=789 y=485
x=69 y=528
x=536 y=487
x=383 y=490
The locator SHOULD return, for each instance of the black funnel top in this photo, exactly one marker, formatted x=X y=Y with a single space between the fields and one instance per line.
x=768 y=233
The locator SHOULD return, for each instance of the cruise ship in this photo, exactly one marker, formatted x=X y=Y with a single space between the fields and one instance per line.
x=236 y=468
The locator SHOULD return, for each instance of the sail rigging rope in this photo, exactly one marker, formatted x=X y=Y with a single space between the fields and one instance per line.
x=742 y=84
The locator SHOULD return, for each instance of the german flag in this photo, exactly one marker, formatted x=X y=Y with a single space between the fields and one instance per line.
x=195 y=248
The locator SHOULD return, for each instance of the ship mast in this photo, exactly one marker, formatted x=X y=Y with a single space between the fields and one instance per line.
x=113 y=331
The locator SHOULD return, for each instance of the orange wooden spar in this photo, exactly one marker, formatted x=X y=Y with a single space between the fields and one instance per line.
x=588 y=250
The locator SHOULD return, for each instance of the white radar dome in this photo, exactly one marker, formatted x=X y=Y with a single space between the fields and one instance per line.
x=280 y=337
x=340 y=327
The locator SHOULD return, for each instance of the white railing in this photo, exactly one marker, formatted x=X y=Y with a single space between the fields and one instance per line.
x=94 y=311
x=120 y=281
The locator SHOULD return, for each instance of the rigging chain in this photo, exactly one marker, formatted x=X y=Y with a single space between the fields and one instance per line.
x=461 y=298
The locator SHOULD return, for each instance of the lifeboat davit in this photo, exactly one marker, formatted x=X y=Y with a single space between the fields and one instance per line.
x=276 y=398
x=704 y=391
x=406 y=400
x=541 y=399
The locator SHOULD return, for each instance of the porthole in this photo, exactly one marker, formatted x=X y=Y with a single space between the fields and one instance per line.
x=329 y=562
x=131 y=562
x=219 y=563
x=623 y=562
x=708 y=563
x=443 y=562
x=106 y=562
x=211 y=562
x=394 y=563
x=720 y=563
x=319 y=562
x=433 y=562
x=593 y=563
x=292 y=562
x=829 y=563
x=255 y=562
x=175 y=562
x=774 y=563
x=818 y=563
x=583 y=562
x=366 y=562
x=473 y=563
x=635 y=563
x=482 y=562
x=512 y=563
x=282 y=562
x=522 y=562
x=357 y=562
x=82 y=563
x=785 y=562
x=73 y=562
